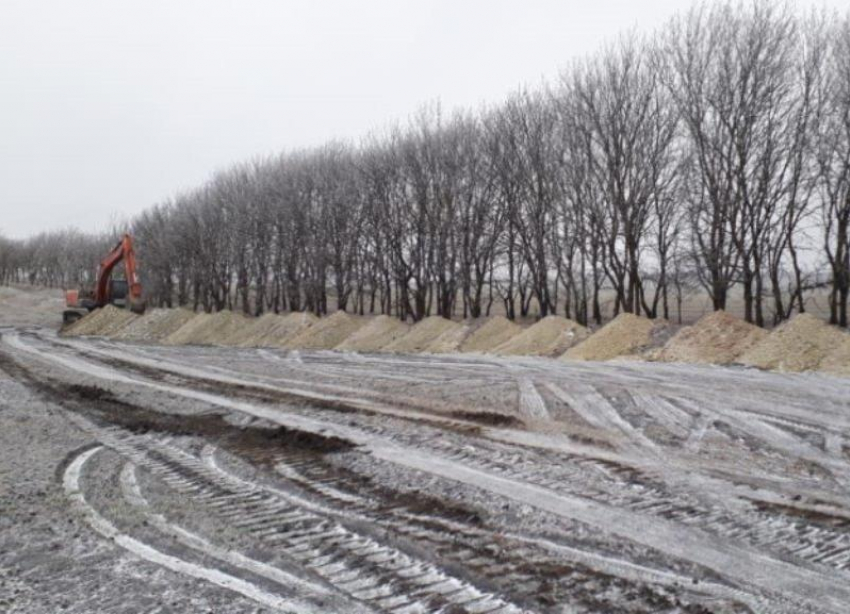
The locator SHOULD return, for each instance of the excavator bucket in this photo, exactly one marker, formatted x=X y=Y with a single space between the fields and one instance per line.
x=137 y=306
x=135 y=301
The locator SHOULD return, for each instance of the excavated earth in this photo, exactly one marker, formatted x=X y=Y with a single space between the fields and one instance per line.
x=800 y=344
x=625 y=336
x=551 y=336
x=149 y=478
x=718 y=338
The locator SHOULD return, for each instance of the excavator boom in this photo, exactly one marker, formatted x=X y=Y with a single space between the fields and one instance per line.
x=108 y=290
x=122 y=251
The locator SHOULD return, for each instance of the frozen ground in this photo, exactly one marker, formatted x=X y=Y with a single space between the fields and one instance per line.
x=25 y=306
x=149 y=479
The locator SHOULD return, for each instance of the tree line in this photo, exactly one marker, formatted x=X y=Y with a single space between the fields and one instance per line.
x=712 y=156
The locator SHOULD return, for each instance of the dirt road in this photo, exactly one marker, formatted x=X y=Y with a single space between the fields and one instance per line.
x=151 y=479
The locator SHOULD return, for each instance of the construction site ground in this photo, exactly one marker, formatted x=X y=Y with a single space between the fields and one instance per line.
x=141 y=478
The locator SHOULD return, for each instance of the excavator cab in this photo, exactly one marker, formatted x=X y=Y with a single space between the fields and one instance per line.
x=123 y=292
x=119 y=290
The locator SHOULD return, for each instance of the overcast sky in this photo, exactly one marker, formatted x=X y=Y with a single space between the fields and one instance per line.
x=109 y=106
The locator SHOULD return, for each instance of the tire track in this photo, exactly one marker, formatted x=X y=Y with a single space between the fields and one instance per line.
x=531 y=404
x=384 y=578
x=71 y=484
x=725 y=557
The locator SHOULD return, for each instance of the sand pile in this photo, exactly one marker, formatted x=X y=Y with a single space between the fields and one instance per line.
x=716 y=338
x=275 y=330
x=269 y=330
x=551 y=336
x=378 y=332
x=800 y=344
x=154 y=325
x=451 y=340
x=207 y=329
x=101 y=322
x=258 y=330
x=625 y=335
x=492 y=333
x=424 y=333
x=837 y=361
x=326 y=333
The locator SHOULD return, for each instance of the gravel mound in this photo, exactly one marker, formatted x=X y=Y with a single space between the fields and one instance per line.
x=101 y=322
x=375 y=334
x=207 y=329
x=493 y=332
x=800 y=344
x=424 y=333
x=625 y=335
x=452 y=340
x=326 y=333
x=259 y=332
x=551 y=336
x=272 y=330
x=154 y=325
x=837 y=361
x=717 y=338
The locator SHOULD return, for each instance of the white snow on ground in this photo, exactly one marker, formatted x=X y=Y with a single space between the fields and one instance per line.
x=830 y=590
x=71 y=483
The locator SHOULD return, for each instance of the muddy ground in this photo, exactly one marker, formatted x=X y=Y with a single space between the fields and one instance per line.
x=185 y=479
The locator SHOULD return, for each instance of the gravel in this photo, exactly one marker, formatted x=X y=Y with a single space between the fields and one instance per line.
x=493 y=332
x=625 y=335
x=375 y=334
x=717 y=338
x=155 y=325
x=800 y=344
x=422 y=335
x=273 y=330
x=326 y=333
x=551 y=336
x=837 y=361
x=102 y=322
x=208 y=329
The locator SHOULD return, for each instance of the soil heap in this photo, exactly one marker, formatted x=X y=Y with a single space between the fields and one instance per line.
x=375 y=334
x=551 y=336
x=800 y=344
x=717 y=338
x=326 y=333
x=207 y=329
x=259 y=329
x=625 y=335
x=101 y=322
x=837 y=361
x=273 y=330
x=493 y=332
x=154 y=325
x=451 y=340
x=423 y=334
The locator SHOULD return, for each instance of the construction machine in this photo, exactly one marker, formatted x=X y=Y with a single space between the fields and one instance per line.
x=122 y=293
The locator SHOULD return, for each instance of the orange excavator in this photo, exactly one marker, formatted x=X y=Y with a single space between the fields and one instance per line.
x=122 y=293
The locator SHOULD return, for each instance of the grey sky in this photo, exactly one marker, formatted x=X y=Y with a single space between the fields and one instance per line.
x=108 y=106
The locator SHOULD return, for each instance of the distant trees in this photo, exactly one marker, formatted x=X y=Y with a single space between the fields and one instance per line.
x=833 y=167
x=54 y=259
x=715 y=154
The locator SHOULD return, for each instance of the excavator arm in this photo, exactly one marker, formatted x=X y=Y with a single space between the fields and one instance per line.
x=80 y=302
x=122 y=251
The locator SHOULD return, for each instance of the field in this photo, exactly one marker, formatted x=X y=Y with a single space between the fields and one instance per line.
x=140 y=477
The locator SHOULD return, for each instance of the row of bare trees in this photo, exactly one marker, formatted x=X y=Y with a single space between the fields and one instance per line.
x=57 y=259
x=713 y=155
